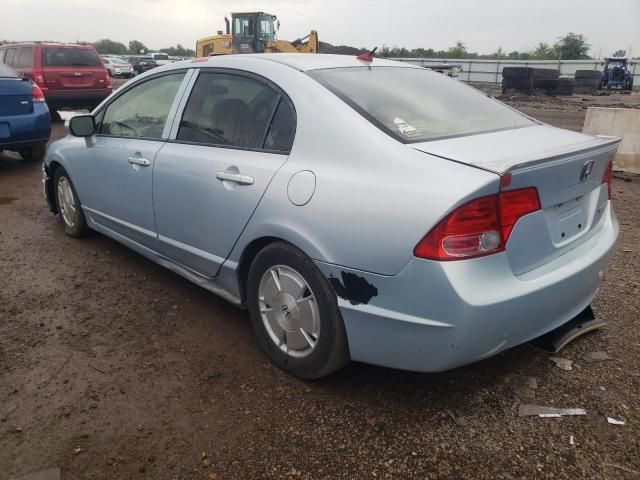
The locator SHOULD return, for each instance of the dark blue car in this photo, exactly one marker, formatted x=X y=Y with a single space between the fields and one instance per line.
x=25 y=123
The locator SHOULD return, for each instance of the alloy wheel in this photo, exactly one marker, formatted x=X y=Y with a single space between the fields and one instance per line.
x=289 y=311
x=66 y=202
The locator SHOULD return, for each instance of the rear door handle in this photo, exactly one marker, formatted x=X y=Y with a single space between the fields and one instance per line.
x=235 y=177
x=143 y=162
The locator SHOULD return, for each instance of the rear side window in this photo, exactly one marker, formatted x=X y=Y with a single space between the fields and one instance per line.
x=69 y=57
x=9 y=57
x=228 y=109
x=142 y=111
x=25 y=57
x=417 y=105
x=282 y=129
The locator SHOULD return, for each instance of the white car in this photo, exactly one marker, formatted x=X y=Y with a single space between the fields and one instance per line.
x=118 y=67
x=160 y=58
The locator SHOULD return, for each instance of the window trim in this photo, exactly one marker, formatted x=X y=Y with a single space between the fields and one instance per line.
x=100 y=113
x=240 y=73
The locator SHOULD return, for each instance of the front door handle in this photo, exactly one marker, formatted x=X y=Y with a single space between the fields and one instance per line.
x=143 y=162
x=235 y=177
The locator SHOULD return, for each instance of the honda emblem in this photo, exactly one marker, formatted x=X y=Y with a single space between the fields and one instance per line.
x=586 y=170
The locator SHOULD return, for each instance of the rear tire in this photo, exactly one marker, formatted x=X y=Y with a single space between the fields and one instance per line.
x=35 y=153
x=68 y=205
x=295 y=313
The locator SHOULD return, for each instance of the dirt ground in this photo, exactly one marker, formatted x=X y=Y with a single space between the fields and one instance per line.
x=113 y=368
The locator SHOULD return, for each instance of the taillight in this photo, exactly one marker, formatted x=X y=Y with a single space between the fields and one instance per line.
x=608 y=177
x=36 y=93
x=38 y=77
x=478 y=228
x=515 y=204
x=107 y=80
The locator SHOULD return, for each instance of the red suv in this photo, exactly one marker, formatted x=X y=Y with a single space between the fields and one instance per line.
x=70 y=75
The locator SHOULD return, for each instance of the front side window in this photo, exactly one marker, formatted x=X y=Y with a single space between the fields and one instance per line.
x=69 y=57
x=226 y=109
x=142 y=111
x=417 y=105
x=243 y=27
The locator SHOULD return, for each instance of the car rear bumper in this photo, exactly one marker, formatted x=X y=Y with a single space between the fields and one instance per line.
x=434 y=316
x=23 y=131
x=76 y=98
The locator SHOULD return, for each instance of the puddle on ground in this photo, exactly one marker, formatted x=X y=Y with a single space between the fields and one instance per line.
x=7 y=200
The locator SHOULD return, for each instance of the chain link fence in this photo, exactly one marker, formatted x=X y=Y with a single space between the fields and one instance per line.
x=490 y=71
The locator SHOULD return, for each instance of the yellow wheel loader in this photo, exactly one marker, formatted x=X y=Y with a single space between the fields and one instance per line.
x=253 y=32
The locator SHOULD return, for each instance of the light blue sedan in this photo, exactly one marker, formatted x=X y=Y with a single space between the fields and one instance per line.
x=360 y=209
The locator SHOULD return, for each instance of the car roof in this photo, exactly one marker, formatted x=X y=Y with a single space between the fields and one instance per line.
x=308 y=61
x=48 y=44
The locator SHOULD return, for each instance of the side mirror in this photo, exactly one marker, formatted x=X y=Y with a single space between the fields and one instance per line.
x=82 y=126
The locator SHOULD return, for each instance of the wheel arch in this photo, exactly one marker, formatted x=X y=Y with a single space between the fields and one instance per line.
x=249 y=254
x=51 y=170
x=253 y=247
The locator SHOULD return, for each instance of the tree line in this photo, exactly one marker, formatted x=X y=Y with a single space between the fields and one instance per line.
x=572 y=46
x=136 y=47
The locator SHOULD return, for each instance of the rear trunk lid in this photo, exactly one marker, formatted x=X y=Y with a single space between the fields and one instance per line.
x=72 y=67
x=566 y=167
x=15 y=97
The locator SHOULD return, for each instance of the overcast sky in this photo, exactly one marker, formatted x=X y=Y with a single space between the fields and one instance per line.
x=483 y=25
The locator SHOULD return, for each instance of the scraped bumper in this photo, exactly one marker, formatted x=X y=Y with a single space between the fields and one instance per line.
x=434 y=316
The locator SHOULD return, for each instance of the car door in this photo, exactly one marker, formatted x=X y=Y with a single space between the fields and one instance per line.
x=116 y=172
x=208 y=179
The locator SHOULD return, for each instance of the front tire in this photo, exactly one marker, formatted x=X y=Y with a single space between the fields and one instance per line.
x=295 y=313
x=68 y=204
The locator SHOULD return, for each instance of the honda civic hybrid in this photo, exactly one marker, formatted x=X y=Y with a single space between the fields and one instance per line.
x=360 y=209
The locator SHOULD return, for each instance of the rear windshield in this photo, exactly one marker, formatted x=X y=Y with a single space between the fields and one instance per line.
x=417 y=105
x=69 y=57
x=161 y=56
x=6 y=72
